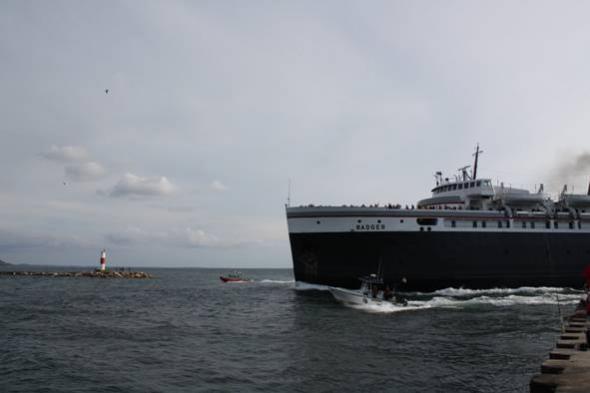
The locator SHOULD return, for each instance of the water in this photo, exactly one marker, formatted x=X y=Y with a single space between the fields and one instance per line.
x=187 y=332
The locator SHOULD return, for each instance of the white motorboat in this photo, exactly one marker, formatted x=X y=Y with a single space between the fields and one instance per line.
x=372 y=292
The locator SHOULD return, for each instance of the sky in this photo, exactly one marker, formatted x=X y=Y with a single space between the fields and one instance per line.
x=214 y=106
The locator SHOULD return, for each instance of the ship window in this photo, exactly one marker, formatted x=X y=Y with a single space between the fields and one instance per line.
x=461 y=186
x=571 y=225
x=359 y=221
x=483 y=224
x=475 y=224
x=402 y=221
x=478 y=183
x=453 y=223
x=499 y=224
x=532 y=225
x=507 y=224
x=555 y=224
x=548 y=224
x=454 y=186
x=379 y=221
x=472 y=184
x=426 y=221
x=317 y=222
x=524 y=224
x=579 y=225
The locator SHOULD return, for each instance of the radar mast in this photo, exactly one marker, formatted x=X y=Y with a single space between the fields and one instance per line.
x=476 y=154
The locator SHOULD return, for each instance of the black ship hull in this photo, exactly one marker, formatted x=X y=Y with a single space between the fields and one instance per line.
x=435 y=260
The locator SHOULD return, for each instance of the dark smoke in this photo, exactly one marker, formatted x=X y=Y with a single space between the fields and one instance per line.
x=572 y=172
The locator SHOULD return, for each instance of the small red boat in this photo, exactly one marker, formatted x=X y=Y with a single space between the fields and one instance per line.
x=234 y=277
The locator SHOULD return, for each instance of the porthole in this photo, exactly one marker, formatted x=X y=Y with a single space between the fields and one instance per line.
x=421 y=229
x=359 y=221
x=402 y=221
x=317 y=222
x=379 y=221
x=429 y=229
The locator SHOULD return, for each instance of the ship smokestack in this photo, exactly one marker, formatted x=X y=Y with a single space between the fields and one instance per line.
x=103 y=260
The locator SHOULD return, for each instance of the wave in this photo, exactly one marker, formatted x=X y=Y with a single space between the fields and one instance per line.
x=268 y=281
x=499 y=291
x=496 y=297
x=385 y=308
x=304 y=286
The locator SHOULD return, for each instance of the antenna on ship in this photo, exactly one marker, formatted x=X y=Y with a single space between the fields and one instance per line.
x=476 y=154
x=463 y=171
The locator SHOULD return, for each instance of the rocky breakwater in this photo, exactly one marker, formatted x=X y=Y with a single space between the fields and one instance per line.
x=92 y=274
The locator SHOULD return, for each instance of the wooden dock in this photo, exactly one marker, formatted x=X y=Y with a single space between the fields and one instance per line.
x=568 y=368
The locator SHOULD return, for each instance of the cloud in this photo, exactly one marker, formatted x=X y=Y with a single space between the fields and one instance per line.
x=17 y=240
x=199 y=238
x=87 y=171
x=187 y=238
x=133 y=185
x=216 y=185
x=66 y=153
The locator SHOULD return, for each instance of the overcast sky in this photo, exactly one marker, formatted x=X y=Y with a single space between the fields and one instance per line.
x=213 y=106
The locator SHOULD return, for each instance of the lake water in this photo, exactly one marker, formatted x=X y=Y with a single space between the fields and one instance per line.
x=185 y=331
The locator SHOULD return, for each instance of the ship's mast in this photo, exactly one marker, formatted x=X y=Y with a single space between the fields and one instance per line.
x=476 y=154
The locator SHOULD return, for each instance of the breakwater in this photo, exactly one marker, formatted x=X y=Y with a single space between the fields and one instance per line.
x=92 y=274
x=568 y=366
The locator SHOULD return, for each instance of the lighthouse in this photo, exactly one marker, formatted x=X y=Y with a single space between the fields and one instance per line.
x=103 y=260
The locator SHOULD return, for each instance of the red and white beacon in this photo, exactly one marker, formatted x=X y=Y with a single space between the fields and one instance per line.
x=103 y=260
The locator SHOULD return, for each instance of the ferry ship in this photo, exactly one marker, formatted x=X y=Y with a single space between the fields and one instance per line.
x=469 y=233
